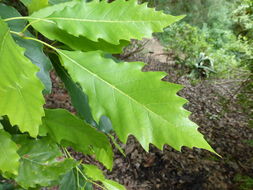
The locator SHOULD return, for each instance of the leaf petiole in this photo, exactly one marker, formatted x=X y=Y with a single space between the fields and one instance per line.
x=27 y=18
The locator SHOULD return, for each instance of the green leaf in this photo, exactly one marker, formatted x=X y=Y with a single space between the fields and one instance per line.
x=26 y=2
x=35 y=5
x=9 y=12
x=80 y=100
x=137 y=103
x=69 y=130
x=9 y=157
x=51 y=31
x=41 y=163
x=117 y=145
x=113 y=185
x=112 y=22
x=33 y=50
x=93 y=172
x=53 y=2
x=74 y=181
x=20 y=89
x=96 y=174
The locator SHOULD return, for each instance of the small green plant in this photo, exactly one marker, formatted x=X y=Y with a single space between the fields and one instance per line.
x=228 y=54
x=246 y=182
x=185 y=41
x=107 y=94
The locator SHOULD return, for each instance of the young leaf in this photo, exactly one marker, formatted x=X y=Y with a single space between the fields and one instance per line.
x=33 y=50
x=112 y=22
x=94 y=173
x=137 y=103
x=67 y=129
x=42 y=163
x=51 y=31
x=20 y=89
x=9 y=159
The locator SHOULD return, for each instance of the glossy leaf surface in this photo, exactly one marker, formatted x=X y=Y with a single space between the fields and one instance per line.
x=137 y=103
x=112 y=22
x=51 y=31
x=69 y=130
x=20 y=89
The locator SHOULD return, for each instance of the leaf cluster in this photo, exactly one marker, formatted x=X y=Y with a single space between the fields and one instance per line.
x=77 y=39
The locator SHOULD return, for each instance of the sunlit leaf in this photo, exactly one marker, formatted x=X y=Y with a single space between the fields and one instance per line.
x=94 y=173
x=119 y=20
x=9 y=159
x=137 y=103
x=20 y=89
x=51 y=31
x=33 y=50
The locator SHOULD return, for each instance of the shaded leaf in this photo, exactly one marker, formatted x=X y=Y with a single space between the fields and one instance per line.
x=105 y=125
x=51 y=31
x=41 y=163
x=69 y=130
x=9 y=159
x=26 y=2
x=53 y=2
x=137 y=103
x=80 y=100
x=74 y=181
x=33 y=50
x=20 y=89
x=112 y=22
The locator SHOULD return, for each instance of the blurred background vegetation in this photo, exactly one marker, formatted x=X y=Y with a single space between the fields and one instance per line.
x=220 y=31
x=213 y=41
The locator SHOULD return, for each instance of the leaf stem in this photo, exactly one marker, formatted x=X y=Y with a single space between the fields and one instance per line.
x=27 y=18
x=34 y=39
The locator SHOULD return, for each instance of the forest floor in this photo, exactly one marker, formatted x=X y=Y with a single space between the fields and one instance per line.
x=220 y=117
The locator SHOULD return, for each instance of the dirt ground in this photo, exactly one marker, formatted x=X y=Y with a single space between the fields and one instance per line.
x=221 y=119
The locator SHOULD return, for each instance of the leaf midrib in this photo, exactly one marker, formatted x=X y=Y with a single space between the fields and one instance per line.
x=101 y=21
x=112 y=86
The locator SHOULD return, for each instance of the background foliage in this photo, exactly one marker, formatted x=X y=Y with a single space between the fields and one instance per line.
x=108 y=94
